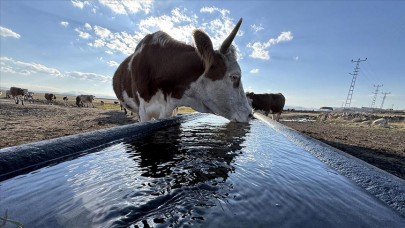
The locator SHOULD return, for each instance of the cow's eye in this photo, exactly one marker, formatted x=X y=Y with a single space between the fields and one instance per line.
x=234 y=78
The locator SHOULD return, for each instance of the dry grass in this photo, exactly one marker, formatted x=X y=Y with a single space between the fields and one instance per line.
x=108 y=103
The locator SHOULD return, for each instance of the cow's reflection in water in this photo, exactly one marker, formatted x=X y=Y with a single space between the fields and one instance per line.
x=192 y=163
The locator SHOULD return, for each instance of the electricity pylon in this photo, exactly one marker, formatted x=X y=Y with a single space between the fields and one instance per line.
x=351 y=89
x=382 y=103
x=375 y=95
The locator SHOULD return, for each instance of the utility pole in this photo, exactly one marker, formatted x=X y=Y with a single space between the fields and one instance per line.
x=351 y=89
x=382 y=103
x=375 y=95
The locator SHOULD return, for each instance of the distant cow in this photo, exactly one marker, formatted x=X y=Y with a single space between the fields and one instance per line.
x=8 y=94
x=50 y=97
x=84 y=99
x=18 y=94
x=102 y=102
x=65 y=100
x=29 y=96
x=163 y=74
x=268 y=102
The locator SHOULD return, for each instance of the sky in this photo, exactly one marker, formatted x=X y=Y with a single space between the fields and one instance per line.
x=303 y=49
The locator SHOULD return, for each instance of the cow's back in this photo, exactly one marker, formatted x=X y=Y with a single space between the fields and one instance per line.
x=262 y=102
x=164 y=64
x=273 y=102
x=15 y=91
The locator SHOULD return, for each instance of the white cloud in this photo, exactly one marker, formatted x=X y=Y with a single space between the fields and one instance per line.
x=88 y=76
x=83 y=35
x=101 y=32
x=87 y=26
x=10 y=65
x=5 y=32
x=260 y=49
x=179 y=24
x=80 y=4
x=254 y=71
x=126 y=7
x=212 y=9
x=113 y=63
x=257 y=28
x=64 y=23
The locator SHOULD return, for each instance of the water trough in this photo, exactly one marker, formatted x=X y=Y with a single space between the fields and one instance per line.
x=195 y=170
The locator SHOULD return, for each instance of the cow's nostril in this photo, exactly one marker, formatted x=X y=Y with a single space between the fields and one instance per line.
x=250 y=115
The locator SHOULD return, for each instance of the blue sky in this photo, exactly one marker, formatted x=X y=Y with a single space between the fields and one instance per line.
x=302 y=49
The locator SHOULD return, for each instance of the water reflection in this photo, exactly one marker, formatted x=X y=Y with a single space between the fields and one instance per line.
x=189 y=165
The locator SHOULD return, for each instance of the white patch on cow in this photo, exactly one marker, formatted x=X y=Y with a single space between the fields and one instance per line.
x=157 y=107
x=129 y=102
x=137 y=51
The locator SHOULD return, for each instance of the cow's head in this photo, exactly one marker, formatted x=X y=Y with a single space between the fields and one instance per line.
x=249 y=96
x=220 y=88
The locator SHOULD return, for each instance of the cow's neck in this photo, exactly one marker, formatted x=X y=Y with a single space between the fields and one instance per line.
x=195 y=97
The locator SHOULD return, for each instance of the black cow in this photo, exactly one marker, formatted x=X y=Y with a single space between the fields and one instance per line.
x=268 y=102
x=50 y=97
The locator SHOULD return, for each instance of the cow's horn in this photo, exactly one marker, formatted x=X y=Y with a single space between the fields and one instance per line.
x=228 y=41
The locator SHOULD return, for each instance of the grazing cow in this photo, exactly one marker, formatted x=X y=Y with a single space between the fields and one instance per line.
x=29 y=96
x=65 y=100
x=102 y=102
x=268 y=102
x=50 y=97
x=84 y=99
x=18 y=94
x=164 y=73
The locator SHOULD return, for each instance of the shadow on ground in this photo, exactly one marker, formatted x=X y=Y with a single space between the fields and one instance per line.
x=115 y=117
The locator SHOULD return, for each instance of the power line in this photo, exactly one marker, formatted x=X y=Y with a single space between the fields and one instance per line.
x=382 y=103
x=351 y=89
x=375 y=95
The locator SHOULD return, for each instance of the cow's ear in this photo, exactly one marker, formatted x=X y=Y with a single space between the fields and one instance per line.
x=204 y=47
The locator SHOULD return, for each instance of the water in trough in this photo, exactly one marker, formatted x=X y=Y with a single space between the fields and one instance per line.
x=206 y=172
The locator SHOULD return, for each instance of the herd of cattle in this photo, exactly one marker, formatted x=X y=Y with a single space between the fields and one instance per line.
x=21 y=95
x=163 y=74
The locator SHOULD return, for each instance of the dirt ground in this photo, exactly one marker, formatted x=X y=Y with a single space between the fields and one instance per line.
x=383 y=147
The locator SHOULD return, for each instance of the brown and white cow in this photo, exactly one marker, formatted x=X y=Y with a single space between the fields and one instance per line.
x=164 y=73
x=50 y=97
x=18 y=94
x=84 y=99
x=268 y=102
